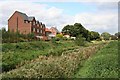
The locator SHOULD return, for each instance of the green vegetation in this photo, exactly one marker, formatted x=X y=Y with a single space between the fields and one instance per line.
x=105 y=35
x=13 y=37
x=117 y=34
x=78 y=29
x=80 y=41
x=103 y=64
x=14 y=54
x=23 y=56
x=63 y=66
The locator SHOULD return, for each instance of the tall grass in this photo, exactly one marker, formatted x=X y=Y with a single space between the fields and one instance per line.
x=104 y=64
x=14 y=54
x=63 y=66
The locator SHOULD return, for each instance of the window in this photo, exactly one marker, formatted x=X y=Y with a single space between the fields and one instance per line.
x=25 y=21
x=30 y=21
x=33 y=29
x=41 y=31
x=33 y=23
x=38 y=30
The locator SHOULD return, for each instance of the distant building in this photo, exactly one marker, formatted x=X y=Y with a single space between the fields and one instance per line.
x=50 y=33
x=54 y=30
x=23 y=24
x=67 y=36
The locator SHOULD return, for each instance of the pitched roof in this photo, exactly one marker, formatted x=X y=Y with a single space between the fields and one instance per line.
x=23 y=15
x=30 y=18
x=55 y=29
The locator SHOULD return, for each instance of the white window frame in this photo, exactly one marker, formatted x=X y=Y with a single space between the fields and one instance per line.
x=33 y=29
x=38 y=30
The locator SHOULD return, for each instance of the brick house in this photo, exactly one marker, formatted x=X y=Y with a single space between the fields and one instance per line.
x=51 y=32
x=23 y=24
x=54 y=30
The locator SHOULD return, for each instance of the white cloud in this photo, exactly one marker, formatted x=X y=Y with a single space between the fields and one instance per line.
x=100 y=21
x=51 y=16
x=40 y=11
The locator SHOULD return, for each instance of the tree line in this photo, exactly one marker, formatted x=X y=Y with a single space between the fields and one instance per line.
x=78 y=29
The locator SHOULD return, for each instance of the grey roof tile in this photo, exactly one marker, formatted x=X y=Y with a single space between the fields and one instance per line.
x=23 y=15
x=30 y=18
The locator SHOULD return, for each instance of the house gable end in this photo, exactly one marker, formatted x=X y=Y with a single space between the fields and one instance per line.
x=23 y=15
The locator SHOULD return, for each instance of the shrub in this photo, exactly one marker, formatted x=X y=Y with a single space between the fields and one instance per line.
x=59 y=36
x=80 y=41
x=7 y=47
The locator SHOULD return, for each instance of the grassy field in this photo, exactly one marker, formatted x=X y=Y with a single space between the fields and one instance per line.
x=104 y=64
x=64 y=65
x=16 y=54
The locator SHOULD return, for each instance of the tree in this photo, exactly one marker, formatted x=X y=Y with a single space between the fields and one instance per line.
x=67 y=29
x=75 y=30
x=94 y=35
x=78 y=29
x=113 y=37
x=117 y=35
x=105 y=35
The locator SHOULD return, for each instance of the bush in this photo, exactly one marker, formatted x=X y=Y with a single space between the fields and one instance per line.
x=80 y=41
x=59 y=36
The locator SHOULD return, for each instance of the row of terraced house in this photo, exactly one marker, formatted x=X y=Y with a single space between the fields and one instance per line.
x=24 y=24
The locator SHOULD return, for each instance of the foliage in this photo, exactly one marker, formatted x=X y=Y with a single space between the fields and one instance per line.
x=14 y=54
x=117 y=35
x=59 y=35
x=104 y=64
x=63 y=66
x=80 y=41
x=94 y=35
x=78 y=29
x=113 y=37
x=74 y=30
x=13 y=37
x=105 y=35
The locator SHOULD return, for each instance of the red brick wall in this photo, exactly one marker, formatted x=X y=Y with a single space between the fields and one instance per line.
x=24 y=28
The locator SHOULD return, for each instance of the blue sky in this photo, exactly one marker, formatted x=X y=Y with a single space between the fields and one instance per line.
x=71 y=8
x=94 y=16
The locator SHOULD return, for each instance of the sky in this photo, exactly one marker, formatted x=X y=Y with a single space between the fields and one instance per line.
x=95 y=15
